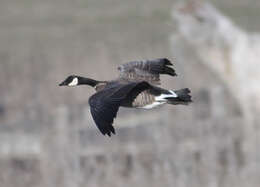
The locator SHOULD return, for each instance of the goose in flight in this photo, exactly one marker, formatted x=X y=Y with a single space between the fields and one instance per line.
x=136 y=87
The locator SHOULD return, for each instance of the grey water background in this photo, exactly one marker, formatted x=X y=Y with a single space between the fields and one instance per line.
x=47 y=136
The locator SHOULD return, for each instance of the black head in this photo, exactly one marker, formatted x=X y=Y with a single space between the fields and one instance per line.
x=71 y=80
x=74 y=80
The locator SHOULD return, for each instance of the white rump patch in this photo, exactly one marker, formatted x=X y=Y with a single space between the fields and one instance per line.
x=154 y=104
x=163 y=96
x=74 y=82
x=160 y=100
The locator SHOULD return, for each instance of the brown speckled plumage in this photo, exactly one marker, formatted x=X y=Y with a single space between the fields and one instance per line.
x=143 y=99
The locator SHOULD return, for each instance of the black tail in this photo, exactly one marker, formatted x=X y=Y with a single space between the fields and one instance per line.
x=183 y=97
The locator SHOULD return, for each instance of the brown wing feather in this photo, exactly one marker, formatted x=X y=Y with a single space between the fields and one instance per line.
x=148 y=70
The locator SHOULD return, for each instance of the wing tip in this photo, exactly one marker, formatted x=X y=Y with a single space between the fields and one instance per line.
x=167 y=61
x=107 y=131
x=169 y=71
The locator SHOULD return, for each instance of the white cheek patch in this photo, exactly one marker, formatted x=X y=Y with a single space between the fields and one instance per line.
x=74 y=82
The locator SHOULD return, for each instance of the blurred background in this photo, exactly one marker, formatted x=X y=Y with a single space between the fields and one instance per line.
x=47 y=136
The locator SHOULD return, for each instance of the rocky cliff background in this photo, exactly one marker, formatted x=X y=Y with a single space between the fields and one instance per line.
x=47 y=136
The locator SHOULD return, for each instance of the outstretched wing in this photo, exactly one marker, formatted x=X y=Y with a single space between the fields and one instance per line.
x=104 y=104
x=148 y=70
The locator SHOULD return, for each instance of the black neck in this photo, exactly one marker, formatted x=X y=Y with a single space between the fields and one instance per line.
x=87 y=81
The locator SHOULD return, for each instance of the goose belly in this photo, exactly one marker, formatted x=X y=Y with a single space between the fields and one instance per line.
x=146 y=101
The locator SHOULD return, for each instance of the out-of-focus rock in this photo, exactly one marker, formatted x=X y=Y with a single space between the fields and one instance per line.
x=226 y=49
x=232 y=55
